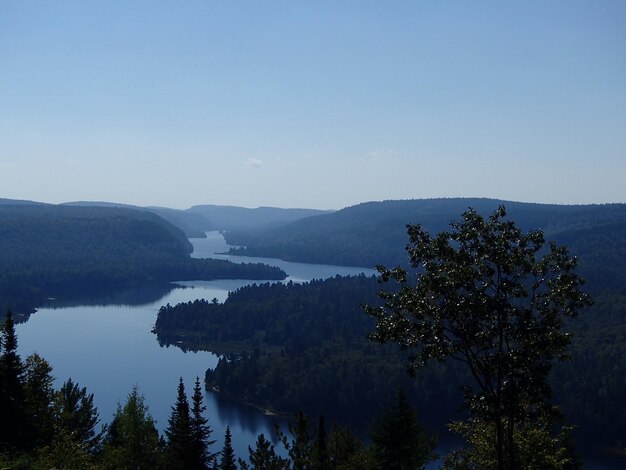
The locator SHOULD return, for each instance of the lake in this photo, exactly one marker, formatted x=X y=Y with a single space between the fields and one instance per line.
x=110 y=348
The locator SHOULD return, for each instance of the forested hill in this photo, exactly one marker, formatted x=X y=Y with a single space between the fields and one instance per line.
x=375 y=232
x=48 y=250
x=238 y=218
x=192 y=224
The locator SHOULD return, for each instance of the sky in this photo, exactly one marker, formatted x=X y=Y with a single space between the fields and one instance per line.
x=319 y=104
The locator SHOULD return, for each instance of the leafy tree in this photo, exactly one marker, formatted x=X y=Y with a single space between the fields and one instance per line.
x=179 y=433
x=132 y=440
x=13 y=417
x=200 y=431
x=493 y=298
x=398 y=441
x=227 y=460
x=536 y=447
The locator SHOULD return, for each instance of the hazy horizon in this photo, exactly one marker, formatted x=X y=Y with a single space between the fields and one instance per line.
x=316 y=105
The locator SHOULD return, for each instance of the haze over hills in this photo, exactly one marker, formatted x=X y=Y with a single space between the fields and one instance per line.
x=197 y=220
x=242 y=218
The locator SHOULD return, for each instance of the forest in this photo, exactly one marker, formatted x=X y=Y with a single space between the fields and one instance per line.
x=42 y=428
x=60 y=251
x=306 y=346
x=374 y=233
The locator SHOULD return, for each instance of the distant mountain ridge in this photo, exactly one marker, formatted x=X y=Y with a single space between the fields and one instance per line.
x=374 y=233
x=64 y=250
x=197 y=220
x=238 y=218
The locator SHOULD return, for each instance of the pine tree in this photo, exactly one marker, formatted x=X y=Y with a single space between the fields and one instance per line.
x=321 y=448
x=398 y=441
x=39 y=399
x=264 y=457
x=132 y=440
x=227 y=461
x=13 y=416
x=179 y=433
x=75 y=412
x=200 y=430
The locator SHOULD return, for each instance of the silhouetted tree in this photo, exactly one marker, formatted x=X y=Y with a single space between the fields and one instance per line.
x=75 y=413
x=13 y=417
x=39 y=399
x=179 y=433
x=200 y=431
x=132 y=440
x=493 y=298
x=227 y=456
x=398 y=441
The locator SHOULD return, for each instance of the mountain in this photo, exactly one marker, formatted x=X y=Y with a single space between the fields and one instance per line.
x=192 y=224
x=242 y=218
x=375 y=232
x=61 y=250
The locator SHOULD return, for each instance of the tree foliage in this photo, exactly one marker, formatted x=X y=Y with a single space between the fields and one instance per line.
x=132 y=440
x=398 y=440
x=493 y=298
x=75 y=413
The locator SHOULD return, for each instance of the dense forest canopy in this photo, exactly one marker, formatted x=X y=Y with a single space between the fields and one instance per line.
x=48 y=250
x=288 y=347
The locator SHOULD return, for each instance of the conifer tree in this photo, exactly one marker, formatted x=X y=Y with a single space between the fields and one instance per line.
x=132 y=440
x=75 y=412
x=398 y=441
x=178 y=432
x=227 y=461
x=200 y=431
x=13 y=417
x=39 y=399
x=321 y=448
x=264 y=457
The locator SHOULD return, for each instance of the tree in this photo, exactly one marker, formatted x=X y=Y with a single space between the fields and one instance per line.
x=39 y=399
x=227 y=460
x=179 y=434
x=264 y=457
x=493 y=298
x=75 y=413
x=200 y=431
x=132 y=440
x=398 y=441
x=13 y=416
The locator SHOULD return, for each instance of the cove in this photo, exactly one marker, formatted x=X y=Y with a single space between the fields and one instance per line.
x=109 y=348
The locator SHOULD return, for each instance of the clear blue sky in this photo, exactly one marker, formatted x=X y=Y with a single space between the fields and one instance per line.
x=312 y=104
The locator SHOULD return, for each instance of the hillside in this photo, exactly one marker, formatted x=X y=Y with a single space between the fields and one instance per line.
x=59 y=251
x=375 y=232
x=242 y=218
x=193 y=225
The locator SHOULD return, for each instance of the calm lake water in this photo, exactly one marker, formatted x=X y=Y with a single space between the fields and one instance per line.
x=110 y=348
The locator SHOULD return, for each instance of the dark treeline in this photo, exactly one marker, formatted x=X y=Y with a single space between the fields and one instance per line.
x=57 y=251
x=42 y=428
x=291 y=347
x=304 y=347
